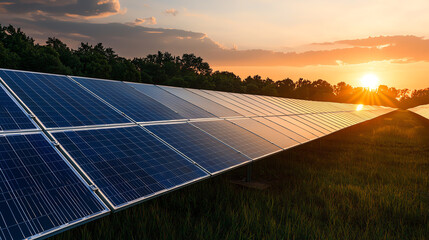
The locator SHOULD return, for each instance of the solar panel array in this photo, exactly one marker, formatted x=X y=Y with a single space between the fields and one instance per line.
x=422 y=110
x=100 y=145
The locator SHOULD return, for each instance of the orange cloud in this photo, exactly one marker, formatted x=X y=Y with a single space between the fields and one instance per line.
x=172 y=11
x=140 y=21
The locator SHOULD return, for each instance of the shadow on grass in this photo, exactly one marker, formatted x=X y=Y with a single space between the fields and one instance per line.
x=370 y=181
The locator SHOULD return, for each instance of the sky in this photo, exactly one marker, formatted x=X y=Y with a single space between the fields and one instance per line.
x=334 y=40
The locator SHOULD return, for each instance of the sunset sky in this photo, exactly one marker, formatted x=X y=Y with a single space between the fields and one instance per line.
x=335 y=40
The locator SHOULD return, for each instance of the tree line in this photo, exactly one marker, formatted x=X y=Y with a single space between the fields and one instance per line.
x=19 y=51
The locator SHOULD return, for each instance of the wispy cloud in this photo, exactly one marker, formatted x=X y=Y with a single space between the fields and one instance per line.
x=141 y=21
x=172 y=11
x=74 y=9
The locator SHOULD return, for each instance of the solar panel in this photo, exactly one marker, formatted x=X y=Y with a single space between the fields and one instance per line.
x=245 y=102
x=202 y=102
x=12 y=117
x=184 y=108
x=128 y=164
x=239 y=107
x=288 y=107
x=311 y=124
x=39 y=192
x=244 y=141
x=128 y=100
x=205 y=94
x=266 y=132
x=295 y=127
x=325 y=121
x=202 y=148
x=59 y=102
x=304 y=125
x=282 y=129
x=265 y=104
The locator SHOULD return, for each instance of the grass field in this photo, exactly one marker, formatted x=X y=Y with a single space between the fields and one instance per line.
x=369 y=181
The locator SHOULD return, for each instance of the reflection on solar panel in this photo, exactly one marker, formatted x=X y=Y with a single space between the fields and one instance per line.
x=422 y=110
x=202 y=102
x=128 y=164
x=265 y=132
x=179 y=105
x=205 y=150
x=244 y=141
x=281 y=129
x=136 y=105
x=302 y=125
x=192 y=134
x=12 y=116
x=39 y=193
x=59 y=102
x=295 y=128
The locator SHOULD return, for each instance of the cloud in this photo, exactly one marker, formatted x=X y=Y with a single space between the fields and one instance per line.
x=172 y=11
x=140 y=21
x=138 y=40
x=64 y=9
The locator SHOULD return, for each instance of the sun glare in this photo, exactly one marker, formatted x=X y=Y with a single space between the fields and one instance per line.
x=359 y=107
x=370 y=81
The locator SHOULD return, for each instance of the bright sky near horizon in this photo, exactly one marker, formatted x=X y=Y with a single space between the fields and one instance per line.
x=335 y=40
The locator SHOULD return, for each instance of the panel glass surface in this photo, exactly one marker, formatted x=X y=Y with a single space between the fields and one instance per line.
x=12 y=116
x=58 y=101
x=282 y=129
x=128 y=100
x=39 y=192
x=327 y=122
x=206 y=94
x=248 y=102
x=237 y=104
x=184 y=108
x=272 y=100
x=266 y=104
x=127 y=164
x=265 y=132
x=294 y=127
x=202 y=102
x=317 y=126
x=303 y=125
x=244 y=141
x=202 y=148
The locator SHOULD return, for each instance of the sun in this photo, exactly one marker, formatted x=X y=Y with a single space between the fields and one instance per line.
x=369 y=81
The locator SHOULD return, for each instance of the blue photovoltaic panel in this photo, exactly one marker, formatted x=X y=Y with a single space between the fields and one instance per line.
x=11 y=116
x=59 y=102
x=133 y=103
x=128 y=164
x=179 y=105
x=202 y=148
x=238 y=138
x=200 y=101
x=39 y=192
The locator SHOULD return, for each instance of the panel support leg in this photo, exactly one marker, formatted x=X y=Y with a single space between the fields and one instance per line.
x=249 y=173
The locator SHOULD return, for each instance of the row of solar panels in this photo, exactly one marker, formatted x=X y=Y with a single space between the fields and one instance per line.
x=72 y=148
x=422 y=110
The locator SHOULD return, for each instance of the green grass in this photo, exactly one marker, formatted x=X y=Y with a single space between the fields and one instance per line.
x=369 y=181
